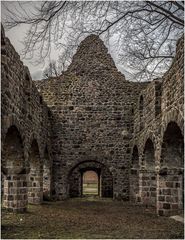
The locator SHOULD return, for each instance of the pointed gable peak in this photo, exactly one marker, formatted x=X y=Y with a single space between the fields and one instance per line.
x=91 y=56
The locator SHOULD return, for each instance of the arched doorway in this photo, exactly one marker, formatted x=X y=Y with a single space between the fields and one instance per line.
x=91 y=183
x=149 y=178
x=35 y=190
x=171 y=188
x=14 y=172
x=134 y=175
x=76 y=174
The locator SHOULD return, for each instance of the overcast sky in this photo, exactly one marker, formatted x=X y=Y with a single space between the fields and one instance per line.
x=17 y=34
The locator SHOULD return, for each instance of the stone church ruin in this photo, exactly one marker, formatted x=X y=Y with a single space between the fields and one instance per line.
x=91 y=119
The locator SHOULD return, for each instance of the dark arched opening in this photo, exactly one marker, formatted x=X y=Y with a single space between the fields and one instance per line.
x=135 y=158
x=171 y=177
x=75 y=179
x=172 y=147
x=149 y=157
x=14 y=173
x=13 y=154
x=149 y=179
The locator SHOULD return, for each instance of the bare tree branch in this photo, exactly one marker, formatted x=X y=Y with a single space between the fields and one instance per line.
x=144 y=32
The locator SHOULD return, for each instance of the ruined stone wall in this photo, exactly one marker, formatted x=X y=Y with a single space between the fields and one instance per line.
x=24 y=118
x=92 y=118
x=149 y=108
x=161 y=115
x=92 y=115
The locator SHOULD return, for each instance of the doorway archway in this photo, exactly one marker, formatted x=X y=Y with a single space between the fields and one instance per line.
x=75 y=179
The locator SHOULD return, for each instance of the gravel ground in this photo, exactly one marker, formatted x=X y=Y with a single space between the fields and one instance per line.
x=89 y=218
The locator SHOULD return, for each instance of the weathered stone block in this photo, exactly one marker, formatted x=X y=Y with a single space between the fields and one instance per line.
x=166 y=205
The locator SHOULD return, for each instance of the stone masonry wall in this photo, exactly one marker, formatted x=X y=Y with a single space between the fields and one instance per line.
x=160 y=121
x=92 y=120
x=24 y=119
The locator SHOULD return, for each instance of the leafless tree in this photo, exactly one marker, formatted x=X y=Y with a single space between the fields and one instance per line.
x=57 y=67
x=51 y=70
x=144 y=33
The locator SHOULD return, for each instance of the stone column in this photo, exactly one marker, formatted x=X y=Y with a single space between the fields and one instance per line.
x=170 y=192
x=47 y=184
x=134 y=184
x=15 y=195
x=35 y=193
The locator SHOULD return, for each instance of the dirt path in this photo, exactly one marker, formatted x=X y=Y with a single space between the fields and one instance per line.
x=79 y=218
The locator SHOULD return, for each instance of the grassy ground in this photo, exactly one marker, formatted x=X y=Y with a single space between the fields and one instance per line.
x=88 y=218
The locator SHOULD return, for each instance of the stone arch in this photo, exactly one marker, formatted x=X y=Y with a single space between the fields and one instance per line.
x=9 y=121
x=172 y=153
x=35 y=137
x=46 y=175
x=13 y=152
x=155 y=137
x=35 y=190
x=149 y=155
x=173 y=115
x=75 y=178
x=137 y=143
x=148 y=181
x=171 y=174
x=14 y=172
x=149 y=134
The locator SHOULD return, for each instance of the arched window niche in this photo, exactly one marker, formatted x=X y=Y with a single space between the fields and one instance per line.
x=172 y=155
x=149 y=155
x=135 y=158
